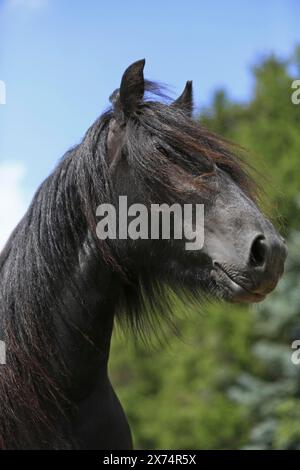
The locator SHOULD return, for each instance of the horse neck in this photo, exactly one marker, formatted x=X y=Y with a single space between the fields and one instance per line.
x=87 y=334
x=58 y=299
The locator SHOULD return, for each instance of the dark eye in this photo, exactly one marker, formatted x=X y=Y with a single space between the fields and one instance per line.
x=208 y=165
x=201 y=165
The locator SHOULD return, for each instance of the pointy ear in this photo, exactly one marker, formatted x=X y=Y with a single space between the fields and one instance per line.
x=132 y=87
x=185 y=100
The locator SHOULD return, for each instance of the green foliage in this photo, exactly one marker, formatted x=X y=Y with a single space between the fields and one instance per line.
x=175 y=396
x=229 y=382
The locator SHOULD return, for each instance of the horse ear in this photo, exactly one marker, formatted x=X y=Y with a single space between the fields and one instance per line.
x=132 y=87
x=185 y=100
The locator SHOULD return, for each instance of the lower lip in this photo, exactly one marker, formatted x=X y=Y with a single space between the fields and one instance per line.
x=241 y=295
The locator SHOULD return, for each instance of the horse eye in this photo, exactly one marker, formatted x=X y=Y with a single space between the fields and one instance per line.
x=205 y=167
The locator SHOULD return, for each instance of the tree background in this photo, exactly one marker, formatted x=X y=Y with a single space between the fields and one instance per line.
x=229 y=381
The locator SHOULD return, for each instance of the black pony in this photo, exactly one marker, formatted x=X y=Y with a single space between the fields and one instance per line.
x=61 y=286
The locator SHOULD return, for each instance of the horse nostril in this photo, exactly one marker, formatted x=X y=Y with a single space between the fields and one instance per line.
x=258 y=251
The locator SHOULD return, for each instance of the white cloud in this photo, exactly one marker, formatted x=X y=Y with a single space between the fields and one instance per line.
x=13 y=202
x=28 y=3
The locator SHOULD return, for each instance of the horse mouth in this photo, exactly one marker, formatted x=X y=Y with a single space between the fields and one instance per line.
x=233 y=290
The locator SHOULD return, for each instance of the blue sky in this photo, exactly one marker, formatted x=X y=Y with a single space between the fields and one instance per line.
x=60 y=60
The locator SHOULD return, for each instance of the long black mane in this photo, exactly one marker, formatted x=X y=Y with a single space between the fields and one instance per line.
x=40 y=263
